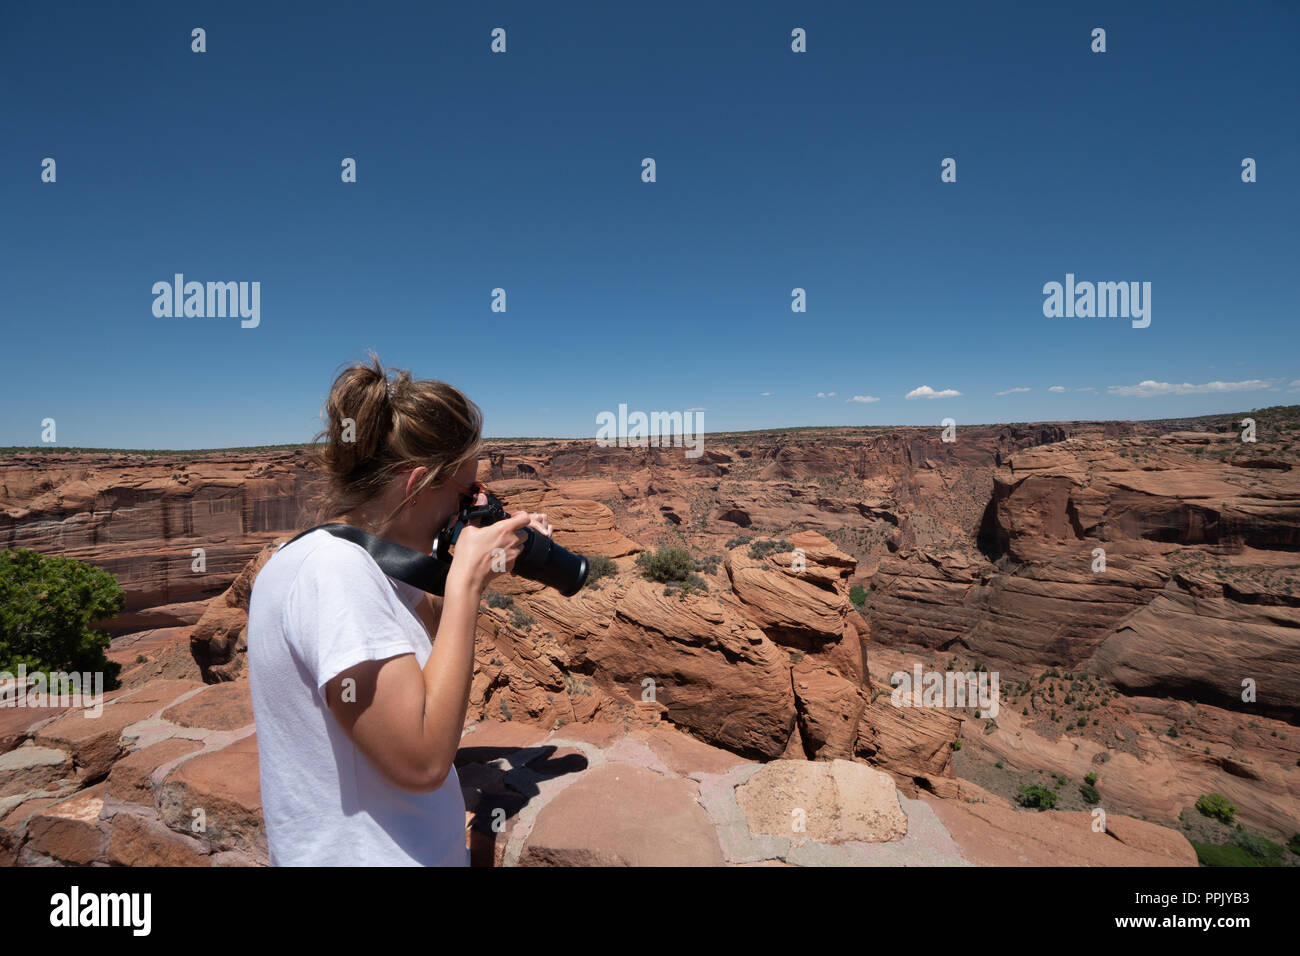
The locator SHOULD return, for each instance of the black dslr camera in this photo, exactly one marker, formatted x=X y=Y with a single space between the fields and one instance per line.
x=541 y=560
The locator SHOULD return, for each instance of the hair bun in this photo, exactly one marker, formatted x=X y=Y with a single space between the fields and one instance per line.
x=379 y=424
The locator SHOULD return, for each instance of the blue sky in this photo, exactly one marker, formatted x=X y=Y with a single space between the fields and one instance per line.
x=522 y=170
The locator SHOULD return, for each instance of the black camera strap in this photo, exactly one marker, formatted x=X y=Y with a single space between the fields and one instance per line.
x=408 y=565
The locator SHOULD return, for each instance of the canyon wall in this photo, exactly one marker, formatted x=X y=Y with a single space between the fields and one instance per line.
x=1124 y=579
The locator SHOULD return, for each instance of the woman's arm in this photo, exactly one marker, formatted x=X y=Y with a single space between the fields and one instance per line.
x=429 y=610
x=407 y=721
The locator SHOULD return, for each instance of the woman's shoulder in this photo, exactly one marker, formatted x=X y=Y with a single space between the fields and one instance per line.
x=322 y=561
x=324 y=551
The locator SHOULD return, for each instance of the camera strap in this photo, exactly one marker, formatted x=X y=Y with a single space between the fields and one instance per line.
x=408 y=565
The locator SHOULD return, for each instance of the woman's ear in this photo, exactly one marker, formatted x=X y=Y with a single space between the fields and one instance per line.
x=414 y=478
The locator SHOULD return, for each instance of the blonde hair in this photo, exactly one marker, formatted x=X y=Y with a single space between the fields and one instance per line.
x=396 y=422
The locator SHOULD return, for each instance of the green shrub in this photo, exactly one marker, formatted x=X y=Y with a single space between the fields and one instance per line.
x=499 y=600
x=1090 y=779
x=1090 y=795
x=1036 y=797
x=765 y=547
x=708 y=563
x=1266 y=851
x=600 y=567
x=858 y=595
x=1211 y=854
x=47 y=604
x=956 y=745
x=666 y=564
x=521 y=619
x=1216 y=806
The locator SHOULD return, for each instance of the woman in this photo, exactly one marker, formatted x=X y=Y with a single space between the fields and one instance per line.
x=358 y=713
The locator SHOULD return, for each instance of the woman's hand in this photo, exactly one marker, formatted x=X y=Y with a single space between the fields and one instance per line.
x=478 y=553
x=540 y=523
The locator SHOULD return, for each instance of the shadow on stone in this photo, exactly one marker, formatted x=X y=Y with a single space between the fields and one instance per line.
x=498 y=782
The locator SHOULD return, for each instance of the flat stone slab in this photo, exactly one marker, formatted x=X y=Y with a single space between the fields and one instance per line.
x=138 y=841
x=598 y=733
x=23 y=812
x=686 y=755
x=621 y=815
x=131 y=781
x=96 y=741
x=223 y=784
x=33 y=768
x=226 y=706
x=830 y=802
x=70 y=830
x=16 y=722
x=160 y=692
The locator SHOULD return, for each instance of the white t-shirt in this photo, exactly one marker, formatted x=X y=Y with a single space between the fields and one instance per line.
x=318 y=607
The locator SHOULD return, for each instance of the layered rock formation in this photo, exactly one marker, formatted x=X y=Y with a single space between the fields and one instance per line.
x=141 y=518
x=975 y=552
x=1163 y=566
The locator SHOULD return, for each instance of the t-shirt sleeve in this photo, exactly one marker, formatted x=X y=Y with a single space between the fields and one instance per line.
x=341 y=611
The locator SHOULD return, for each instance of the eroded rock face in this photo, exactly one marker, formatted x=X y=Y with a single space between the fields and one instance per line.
x=979 y=548
x=1086 y=490
x=798 y=602
x=708 y=668
x=1135 y=560
x=991 y=835
x=141 y=517
x=1200 y=638
x=219 y=641
x=1163 y=566
x=774 y=669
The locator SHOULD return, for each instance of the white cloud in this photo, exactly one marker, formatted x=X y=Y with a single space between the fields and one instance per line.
x=765 y=394
x=1149 y=389
x=825 y=395
x=1012 y=391
x=925 y=391
x=697 y=409
x=1295 y=384
x=862 y=398
x=1057 y=388
x=1086 y=388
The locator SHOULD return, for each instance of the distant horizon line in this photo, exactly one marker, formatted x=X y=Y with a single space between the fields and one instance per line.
x=53 y=447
